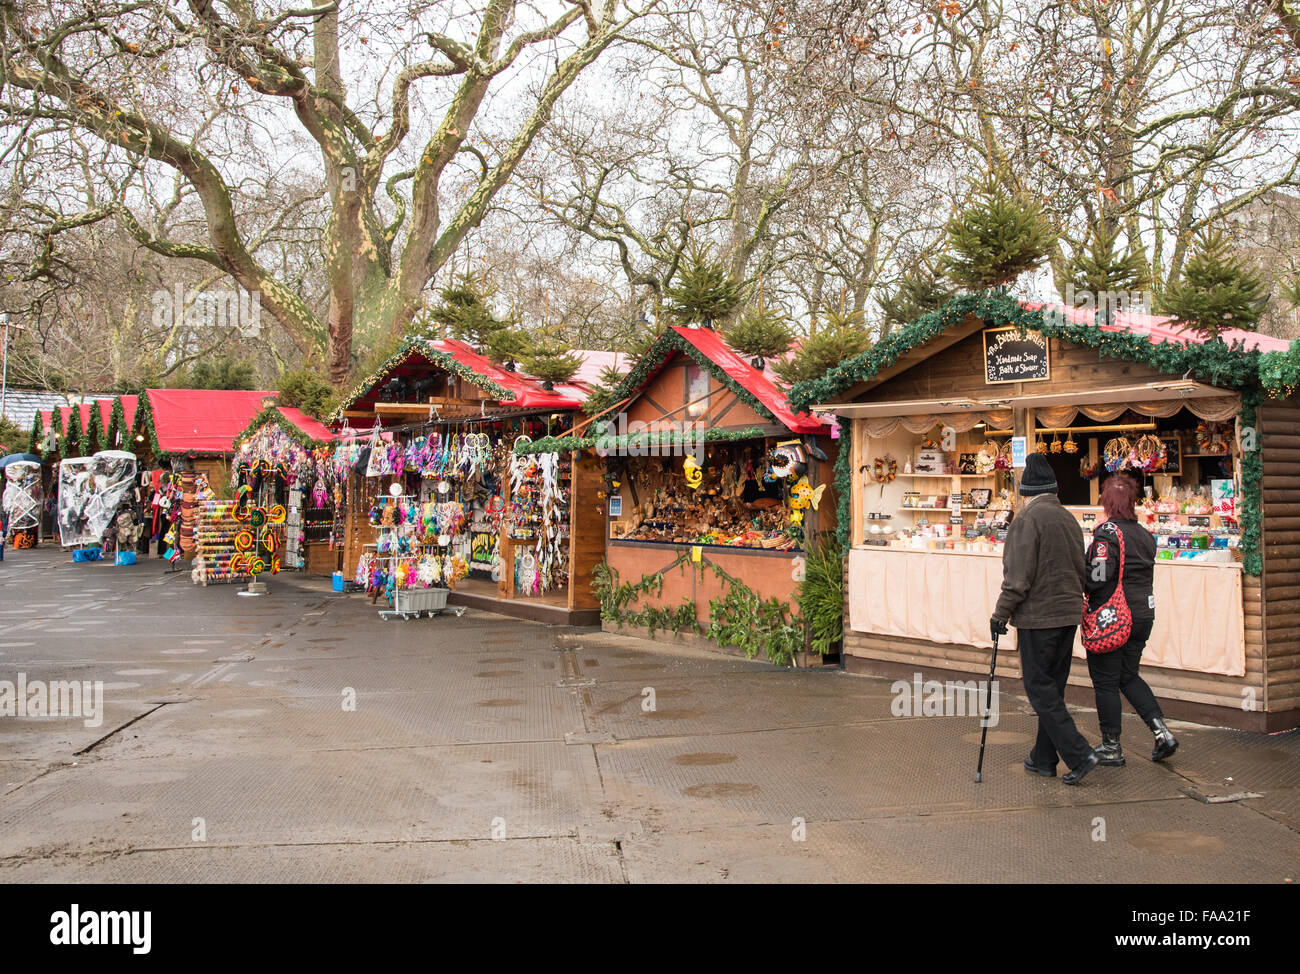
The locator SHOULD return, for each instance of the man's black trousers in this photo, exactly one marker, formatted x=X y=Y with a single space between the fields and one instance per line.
x=1045 y=668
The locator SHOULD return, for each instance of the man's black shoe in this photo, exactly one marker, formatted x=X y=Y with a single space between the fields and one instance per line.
x=1076 y=775
x=1046 y=772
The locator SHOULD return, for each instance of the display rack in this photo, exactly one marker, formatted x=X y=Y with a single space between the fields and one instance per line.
x=215 y=528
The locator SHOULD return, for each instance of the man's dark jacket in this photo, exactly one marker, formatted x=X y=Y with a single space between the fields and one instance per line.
x=1042 y=567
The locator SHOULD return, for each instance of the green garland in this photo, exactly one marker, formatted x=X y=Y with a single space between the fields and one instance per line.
x=37 y=436
x=1218 y=364
x=669 y=342
x=272 y=414
x=443 y=360
x=144 y=424
x=75 y=434
x=1249 y=517
x=56 y=424
x=96 y=431
x=844 y=488
x=639 y=440
x=116 y=425
x=738 y=618
x=1279 y=372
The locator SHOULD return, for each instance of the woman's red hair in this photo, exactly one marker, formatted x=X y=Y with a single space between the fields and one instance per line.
x=1118 y=495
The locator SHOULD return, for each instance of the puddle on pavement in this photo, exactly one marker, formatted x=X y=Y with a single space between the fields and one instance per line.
x=591 y=662
x=503 y=659
x=499 y=702
x=703 y=759
x=500 y=673
x=1177 y=843
x=721 y=789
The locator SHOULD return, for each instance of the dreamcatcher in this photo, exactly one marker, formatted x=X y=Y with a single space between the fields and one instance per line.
x=1115 y=453
x=1149 y=453
x=986 y=460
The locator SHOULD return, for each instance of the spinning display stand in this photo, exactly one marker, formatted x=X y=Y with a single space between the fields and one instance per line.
x=214 y=535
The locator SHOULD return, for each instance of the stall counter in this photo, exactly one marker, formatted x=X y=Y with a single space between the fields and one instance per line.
x=1200 y=620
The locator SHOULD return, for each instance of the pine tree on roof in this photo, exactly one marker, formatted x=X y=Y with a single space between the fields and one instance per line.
x=760 y=331
x=996 y=238
x=919 y=292
x=702 y=291
x=1216 y=291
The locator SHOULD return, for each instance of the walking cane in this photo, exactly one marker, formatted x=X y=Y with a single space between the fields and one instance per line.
x=988 y=704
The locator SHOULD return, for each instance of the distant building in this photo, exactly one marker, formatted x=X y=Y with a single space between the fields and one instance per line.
x=20 y=405
x=1267 y=232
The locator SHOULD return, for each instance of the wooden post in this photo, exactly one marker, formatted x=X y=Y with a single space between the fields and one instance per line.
x=587 y=527
x=857 y=450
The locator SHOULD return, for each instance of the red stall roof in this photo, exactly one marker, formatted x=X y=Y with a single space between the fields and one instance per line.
x=202 y=420
x=525 y=391
x=762 y=384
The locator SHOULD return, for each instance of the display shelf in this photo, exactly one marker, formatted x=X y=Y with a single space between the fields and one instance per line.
x=950 y=476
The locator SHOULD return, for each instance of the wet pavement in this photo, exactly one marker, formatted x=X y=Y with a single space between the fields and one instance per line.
x=296 y=737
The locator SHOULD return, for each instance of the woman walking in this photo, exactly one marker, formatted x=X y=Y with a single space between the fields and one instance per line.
x=1123 y=548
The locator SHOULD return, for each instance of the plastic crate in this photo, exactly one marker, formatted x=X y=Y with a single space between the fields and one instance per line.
x=408 y=602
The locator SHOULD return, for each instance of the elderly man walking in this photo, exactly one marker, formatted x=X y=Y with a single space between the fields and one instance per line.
x=1042 y=596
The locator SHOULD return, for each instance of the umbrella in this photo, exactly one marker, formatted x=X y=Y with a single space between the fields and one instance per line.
x=19 y=458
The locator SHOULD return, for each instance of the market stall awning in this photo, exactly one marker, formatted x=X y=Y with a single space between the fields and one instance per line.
x=760 y=388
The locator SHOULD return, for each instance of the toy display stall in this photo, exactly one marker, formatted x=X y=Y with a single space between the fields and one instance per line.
x=937 y=419
x=714 y=488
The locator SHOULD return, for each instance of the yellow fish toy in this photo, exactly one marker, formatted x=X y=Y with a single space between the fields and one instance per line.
x=802 y=497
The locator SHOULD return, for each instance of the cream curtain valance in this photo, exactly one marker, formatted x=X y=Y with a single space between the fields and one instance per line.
x=1211 y=408
x=881 y=426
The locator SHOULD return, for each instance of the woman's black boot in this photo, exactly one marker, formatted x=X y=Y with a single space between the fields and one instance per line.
x=1109 y=753
x=1166 y=743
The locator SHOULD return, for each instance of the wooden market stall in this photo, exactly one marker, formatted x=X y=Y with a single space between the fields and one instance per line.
x=714 y=487
x=437 y=422
x=931 y=413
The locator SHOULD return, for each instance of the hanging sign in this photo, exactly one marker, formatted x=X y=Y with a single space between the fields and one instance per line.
x=1012 y=355
x=1018 y=449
